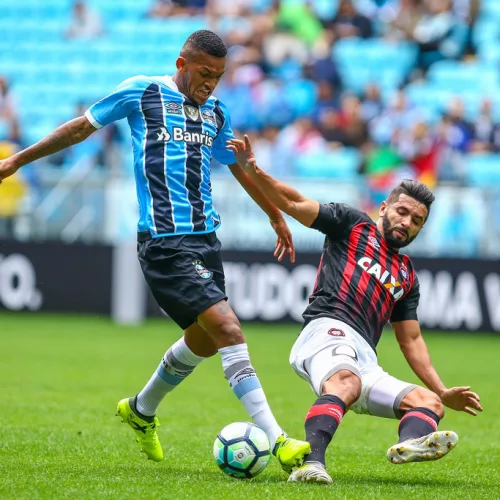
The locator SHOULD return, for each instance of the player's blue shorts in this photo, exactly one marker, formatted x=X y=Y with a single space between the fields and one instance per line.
x=184 y=273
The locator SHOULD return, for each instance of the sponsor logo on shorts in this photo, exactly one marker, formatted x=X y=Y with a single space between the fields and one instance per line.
x=202 y=270
x=335 y=332
x=345 y=350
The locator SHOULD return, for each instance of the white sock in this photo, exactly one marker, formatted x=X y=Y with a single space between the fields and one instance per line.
x=177 y=363
x=246 y=386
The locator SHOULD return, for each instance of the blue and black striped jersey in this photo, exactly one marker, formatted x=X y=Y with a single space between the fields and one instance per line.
x=174 y=140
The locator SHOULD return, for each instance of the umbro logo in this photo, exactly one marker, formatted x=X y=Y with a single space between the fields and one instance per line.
x=163 y=135
x=173 y=108
x=373 y=242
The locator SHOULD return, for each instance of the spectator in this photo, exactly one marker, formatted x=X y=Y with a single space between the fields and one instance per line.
x=349 y=22
x=85 y=23
x=352 y=121
x=372 y=105
x=9 y=123
x=484 y=127
x=167 y=8
x=331 y=130
x=326 y=100
x=434 y=33
x=406 y=20
x=13 y=192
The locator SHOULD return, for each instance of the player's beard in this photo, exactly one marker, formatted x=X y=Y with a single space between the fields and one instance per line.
x=392 y=241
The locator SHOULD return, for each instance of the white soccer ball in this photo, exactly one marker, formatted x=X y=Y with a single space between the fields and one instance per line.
x=242 y=450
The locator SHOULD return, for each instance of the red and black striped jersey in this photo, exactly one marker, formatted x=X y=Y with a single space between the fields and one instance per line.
x=360 y=280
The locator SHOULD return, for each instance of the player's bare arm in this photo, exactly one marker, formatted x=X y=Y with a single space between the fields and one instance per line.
x=414 y=348
x=72 y=132
x=286 y=198
x=284 y=242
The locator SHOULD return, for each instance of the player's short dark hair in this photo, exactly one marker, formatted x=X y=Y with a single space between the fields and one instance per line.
x=205 y=41
x=415 y=190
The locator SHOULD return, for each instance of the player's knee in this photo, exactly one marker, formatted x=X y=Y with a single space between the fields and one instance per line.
x=345 y=384
x=230 y=333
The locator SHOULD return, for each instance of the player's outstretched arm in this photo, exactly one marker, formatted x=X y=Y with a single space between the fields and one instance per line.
x=414 y=348
x=286 y=198
x=284 y=242
x=66 y=135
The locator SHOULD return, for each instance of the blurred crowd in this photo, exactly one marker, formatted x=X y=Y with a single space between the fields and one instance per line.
x=275 y=43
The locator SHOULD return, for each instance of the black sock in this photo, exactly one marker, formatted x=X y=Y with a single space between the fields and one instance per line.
x=416 y=423
x=322 y=421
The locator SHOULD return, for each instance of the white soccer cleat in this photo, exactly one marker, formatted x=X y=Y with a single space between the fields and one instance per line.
x=310 y=472
x=431 y=447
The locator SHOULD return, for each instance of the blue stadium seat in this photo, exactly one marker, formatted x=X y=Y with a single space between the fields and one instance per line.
x=340 y=164
x=459 y=77
x=483 y=170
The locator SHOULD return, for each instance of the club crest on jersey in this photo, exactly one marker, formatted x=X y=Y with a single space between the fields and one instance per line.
x=208 y=115
x=202 y=270
x=404 y=271
x=373 y=242
x=192 y=112
x=173 y=108
x=394 y=287
x=335 y=332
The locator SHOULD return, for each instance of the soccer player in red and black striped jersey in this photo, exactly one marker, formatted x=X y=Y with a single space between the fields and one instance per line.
x=363 y=282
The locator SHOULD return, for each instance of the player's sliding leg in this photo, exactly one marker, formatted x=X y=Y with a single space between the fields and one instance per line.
x=419 y=439
x=178 y=362
x=324 y=417
x=225 y=330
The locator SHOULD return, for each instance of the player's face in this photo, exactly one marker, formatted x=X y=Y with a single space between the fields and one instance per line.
x=402 y=220
x=201 y=73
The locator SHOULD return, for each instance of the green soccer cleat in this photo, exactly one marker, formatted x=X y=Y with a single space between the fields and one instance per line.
x=290 y=452
x=311 y=472
x=145 y=431
x=431 y=447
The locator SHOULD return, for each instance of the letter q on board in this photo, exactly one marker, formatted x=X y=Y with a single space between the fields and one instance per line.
x=18 y=283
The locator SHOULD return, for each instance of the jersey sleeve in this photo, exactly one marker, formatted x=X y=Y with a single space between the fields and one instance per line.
x=119 y=104
x=219 y=151
x=406 y=308
x=336 y=218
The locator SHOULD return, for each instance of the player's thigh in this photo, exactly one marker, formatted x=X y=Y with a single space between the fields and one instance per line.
x=198 y=340
x=178 y=278
x=324 y=348
x=381 y=394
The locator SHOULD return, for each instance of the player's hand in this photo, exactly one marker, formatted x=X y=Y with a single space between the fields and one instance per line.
x=462 y=399
x=243 y=152
x=7 y=168
x=284 y=243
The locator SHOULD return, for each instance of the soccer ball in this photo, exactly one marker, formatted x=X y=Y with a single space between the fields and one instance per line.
x=242 y=450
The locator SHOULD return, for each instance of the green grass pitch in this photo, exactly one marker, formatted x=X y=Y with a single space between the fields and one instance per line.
x=61 y=376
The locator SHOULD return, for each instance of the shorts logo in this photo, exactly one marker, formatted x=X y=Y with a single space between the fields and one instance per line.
x=208 y=115
x=345 y=350
x=202 y=270
x=335 y=332
x=192 y=112
x=173 y=108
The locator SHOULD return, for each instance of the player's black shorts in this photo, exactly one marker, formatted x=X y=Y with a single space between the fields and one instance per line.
x=184 y=273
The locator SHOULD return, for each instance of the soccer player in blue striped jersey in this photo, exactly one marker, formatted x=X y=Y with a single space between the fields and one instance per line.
x=177 y=126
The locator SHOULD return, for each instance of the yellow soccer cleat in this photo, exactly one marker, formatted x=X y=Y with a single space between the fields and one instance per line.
x=145 y=431
x=290 y=452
